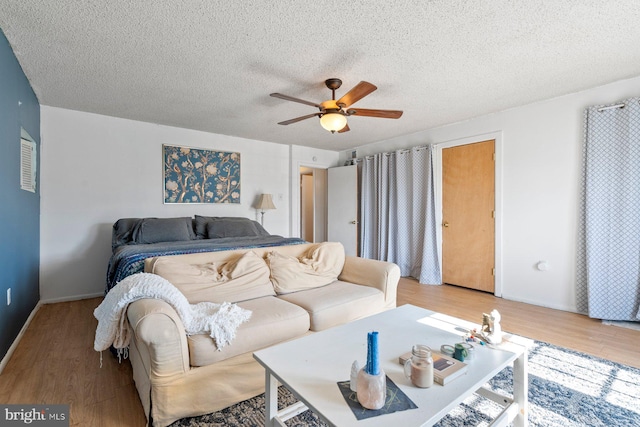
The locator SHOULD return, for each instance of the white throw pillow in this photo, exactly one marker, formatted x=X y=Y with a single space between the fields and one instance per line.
x=244 y=278
x=319 y=266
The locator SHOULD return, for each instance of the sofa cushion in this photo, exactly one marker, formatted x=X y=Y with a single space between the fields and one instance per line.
x=319 y=266
x=244 y=277
x=154 y=230
x=272 y=321
x=337 y=303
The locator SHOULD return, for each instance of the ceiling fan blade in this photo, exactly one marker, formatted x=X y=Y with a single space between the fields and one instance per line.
x=385 y=114
x=291 y=98
x=358 y=92
x=298 y=119
x=344 y=129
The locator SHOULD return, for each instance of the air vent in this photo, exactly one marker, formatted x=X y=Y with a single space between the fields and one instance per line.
x=28 y=165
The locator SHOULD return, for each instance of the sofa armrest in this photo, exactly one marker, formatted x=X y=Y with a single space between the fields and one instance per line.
x=369 y=272
x=160 y=337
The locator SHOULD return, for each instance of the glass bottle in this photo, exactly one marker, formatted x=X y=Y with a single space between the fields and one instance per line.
x=420 y=367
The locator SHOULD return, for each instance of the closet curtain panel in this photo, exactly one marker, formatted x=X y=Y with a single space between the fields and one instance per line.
x=609 y=240
x=397 y=212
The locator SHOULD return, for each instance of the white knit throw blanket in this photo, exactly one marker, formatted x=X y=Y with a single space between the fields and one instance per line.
x=220 y=321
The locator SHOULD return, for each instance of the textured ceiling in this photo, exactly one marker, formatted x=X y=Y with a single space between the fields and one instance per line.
x=210 y=65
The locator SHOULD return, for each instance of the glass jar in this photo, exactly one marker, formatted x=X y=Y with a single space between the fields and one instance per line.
x=420 y=367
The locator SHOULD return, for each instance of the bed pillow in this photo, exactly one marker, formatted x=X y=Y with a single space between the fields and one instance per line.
x=154 y=230
x=122 y=233
x=201 y=225
x=319 y=266
x=234 y=227
x=243 y=278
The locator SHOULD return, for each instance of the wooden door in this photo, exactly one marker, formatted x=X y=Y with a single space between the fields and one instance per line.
x=343 y=207
x=468 y=203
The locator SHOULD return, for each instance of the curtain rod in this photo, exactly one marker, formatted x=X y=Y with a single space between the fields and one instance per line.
x=391 y=153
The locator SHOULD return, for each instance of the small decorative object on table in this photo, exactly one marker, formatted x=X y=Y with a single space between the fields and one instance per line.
x=353 y=379
x=445 y=367
x=372 y=383
x=491 y=329
x=460 y=352
x=471 y=351
x=419 y=368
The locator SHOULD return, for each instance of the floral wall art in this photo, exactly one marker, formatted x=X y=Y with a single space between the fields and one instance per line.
x=193 y=175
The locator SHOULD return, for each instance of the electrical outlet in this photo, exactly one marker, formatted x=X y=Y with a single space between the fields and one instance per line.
x=9 y=296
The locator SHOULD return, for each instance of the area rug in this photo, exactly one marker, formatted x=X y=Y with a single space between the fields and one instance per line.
x=566 y=388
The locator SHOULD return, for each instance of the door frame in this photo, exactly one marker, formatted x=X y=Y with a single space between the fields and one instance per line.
x=498 y=138
x=294 y=182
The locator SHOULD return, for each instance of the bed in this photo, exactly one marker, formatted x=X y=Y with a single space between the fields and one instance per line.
x=135 y=239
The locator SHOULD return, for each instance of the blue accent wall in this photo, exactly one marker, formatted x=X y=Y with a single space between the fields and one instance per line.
x=19 y=209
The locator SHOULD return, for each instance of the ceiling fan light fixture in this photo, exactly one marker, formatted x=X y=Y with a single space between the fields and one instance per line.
x=333 y=112
x=333 y=122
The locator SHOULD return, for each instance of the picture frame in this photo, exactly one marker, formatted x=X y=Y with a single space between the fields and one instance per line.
x=200 y=176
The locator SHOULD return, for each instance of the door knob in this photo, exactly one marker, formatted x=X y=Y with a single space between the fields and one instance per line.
x=445 y=224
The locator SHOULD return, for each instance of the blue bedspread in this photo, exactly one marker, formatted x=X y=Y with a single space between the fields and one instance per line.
x=129 y=259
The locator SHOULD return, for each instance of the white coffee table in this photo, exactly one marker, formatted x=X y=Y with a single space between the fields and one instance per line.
x=312 y=365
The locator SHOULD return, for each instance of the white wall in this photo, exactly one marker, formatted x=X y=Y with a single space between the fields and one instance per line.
x=541 y=167
x=97 y=169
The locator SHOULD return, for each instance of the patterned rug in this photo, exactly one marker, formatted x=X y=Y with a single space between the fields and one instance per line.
x=566 y=388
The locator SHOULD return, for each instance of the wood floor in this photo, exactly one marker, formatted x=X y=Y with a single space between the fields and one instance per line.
x=561 y=328
x=55 y=362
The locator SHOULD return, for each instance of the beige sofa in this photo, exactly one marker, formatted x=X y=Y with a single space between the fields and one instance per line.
x=179 y=376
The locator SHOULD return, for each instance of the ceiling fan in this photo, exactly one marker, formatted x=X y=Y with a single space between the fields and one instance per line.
x=333 y=113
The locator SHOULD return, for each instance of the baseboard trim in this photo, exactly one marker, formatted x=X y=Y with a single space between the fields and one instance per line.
x=72 y=298
x=13 y=347
x=545 y=304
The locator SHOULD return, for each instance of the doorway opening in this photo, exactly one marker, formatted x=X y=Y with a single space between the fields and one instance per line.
x=313 y=204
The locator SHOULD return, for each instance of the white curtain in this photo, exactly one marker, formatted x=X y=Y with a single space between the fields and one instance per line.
x=397 y=212
x=608 y=285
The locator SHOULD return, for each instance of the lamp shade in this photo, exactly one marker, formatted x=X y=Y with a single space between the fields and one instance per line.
x=333 y=122
x=265 y=202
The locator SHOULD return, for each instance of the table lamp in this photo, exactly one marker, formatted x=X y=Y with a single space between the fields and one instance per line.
x=265 y=203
